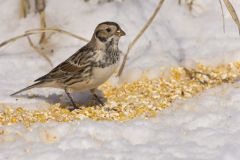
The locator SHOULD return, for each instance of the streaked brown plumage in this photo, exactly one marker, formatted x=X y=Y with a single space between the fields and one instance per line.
x=89 y=67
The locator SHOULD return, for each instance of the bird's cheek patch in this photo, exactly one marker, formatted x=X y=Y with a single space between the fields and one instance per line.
x=101 y=36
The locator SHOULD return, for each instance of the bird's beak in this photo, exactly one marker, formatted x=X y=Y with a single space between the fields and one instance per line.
x=120 y=33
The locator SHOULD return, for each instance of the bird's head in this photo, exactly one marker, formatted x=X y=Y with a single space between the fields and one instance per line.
x=108 y=32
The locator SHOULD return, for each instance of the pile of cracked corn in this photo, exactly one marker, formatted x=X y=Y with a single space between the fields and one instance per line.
x=144 y=97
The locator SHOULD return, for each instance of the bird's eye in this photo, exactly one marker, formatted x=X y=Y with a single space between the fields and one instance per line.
x=108 y=30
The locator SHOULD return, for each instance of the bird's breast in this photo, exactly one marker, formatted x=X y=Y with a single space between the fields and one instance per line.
x=100 y=75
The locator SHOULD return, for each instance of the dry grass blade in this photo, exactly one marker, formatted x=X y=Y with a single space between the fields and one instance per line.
x=39 y=51
x=233 y=13
x=24 y=8
x=37 y=31
x=139 y=35
x=58 y=30
x=13 y=39
x=179 y=2
x=223 y=18
x=190 y=5
x=43 y=25
x=40 y=7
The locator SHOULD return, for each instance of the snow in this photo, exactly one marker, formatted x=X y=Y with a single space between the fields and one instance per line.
x=203 y=127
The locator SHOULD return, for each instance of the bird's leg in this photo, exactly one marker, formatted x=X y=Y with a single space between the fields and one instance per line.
x=71 y=99
x=93 y=91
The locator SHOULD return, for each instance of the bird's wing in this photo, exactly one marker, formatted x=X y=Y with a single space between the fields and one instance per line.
x=77 y=64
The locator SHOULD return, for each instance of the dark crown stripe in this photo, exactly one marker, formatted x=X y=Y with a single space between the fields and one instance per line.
x=110 y=23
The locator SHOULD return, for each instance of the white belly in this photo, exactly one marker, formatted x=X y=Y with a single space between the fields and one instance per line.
x=99 y=76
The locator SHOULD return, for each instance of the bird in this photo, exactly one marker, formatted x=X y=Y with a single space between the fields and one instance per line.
x=89 y=67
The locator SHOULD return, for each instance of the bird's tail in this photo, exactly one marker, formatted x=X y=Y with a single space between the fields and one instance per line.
x=38 y=84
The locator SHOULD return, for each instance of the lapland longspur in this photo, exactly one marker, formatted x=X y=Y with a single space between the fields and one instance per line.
x=89 y=67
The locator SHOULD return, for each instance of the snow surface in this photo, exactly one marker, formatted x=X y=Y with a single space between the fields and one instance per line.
x=203 y=127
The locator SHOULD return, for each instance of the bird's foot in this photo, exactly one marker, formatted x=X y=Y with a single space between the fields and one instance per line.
x=98 y=100
x=71 y=108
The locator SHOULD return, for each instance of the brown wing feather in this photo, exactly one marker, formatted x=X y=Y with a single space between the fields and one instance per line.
x=73 y=65
x=68 y=67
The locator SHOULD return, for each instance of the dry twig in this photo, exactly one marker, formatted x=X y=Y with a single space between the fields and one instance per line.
x=40 y=7
x=139 y=35
x=223 y=18
x=233 y=13
x=24 y=8
x=43 y=25
x=28 y=33
x=39 y=51
x=57 y=30
x=37 y=31
x=190 y=5
x=179 y=2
